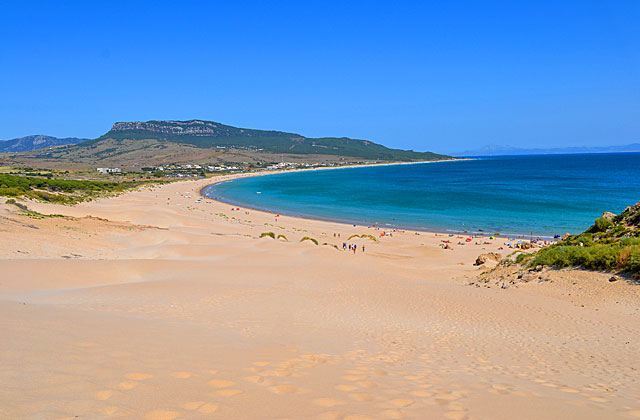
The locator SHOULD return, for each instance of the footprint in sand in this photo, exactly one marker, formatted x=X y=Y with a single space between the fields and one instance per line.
x=208 y=408
x=354 y=378
x=254 y=379
x=137 y=376
x=201 y=406
x=161 y=415
x=361 y=396
x=284 y=389
x=125 y=386
x=109 y=411
x=229 y=392
x=346 y=387
x=401 y=402
x=277 y=373
x=501 y=388
x=455 y=415
x=182 y=375
x=103 y=395
x=357 y=417
x=456 y=406
x=446 y=397
x=261 y=363
x=392 y=414
x=421 y=393
x=193 y=405
x=220 y=383
x=368 y=384
x=327 y=402
x=87 y=344
x=329 y=415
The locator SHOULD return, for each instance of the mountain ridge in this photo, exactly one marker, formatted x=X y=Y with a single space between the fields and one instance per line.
x=211 y=134
x=35 y=142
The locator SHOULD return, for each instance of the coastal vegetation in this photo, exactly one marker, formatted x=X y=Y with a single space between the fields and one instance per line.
x=268 y=235
x=308 y=238
x=60 y=191
x=363 y=236
x=31 y=213
x=611 y=244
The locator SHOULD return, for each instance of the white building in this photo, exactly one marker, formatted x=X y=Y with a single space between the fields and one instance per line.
x=107 y=171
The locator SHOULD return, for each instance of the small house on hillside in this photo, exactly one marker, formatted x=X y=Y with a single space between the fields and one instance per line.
x=107 y=171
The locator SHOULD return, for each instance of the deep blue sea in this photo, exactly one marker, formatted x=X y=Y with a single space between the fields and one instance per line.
x=539 y=195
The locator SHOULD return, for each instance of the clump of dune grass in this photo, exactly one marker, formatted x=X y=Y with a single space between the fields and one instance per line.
x=332 y=245
x=26 y=211
x=363 y=236
x=268 y=234
x=308 y=238
x=283 y=237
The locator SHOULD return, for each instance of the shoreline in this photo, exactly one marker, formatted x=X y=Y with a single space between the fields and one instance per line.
x=503 y=235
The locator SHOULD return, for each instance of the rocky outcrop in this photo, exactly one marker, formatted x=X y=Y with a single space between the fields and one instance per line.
x=490 y=257
x=192 y=127
x=630 y=217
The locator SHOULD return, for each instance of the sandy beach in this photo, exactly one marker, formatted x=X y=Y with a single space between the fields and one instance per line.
x=162 y=304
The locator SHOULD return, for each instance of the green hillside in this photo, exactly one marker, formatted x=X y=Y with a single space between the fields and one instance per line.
x=209 y=134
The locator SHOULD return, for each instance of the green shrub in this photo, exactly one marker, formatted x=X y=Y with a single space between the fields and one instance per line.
x=56 y=190
x=522 y=258
x=633 y=263
x=599 y=257
x=602 y=224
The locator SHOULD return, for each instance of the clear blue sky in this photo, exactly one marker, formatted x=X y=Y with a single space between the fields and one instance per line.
x=424 y=75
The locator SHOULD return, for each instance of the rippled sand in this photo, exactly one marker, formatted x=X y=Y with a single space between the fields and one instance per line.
x=165 y=306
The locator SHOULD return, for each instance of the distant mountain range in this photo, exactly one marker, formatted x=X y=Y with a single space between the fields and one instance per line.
x=210 y=134
x=150 y=143
x=29 y=143
x=495 y=150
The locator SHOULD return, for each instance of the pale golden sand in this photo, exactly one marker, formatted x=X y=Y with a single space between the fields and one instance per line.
x=172 y=307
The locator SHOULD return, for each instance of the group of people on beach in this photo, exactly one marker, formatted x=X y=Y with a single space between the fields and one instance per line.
x=351 y=247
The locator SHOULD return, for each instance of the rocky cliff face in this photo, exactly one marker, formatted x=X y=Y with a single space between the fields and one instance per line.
x=184 y=128
x=630 y=217
x=193 y=127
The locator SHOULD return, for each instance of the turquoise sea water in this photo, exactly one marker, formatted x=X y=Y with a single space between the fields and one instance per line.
x=540 y=195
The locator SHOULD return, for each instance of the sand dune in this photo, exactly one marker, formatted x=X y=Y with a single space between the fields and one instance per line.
x=164 y=306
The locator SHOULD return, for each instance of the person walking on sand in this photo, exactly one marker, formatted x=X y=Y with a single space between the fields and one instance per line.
x=355 y=248
x=362 y=248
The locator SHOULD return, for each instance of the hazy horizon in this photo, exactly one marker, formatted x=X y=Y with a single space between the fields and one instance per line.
x=425 y=77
